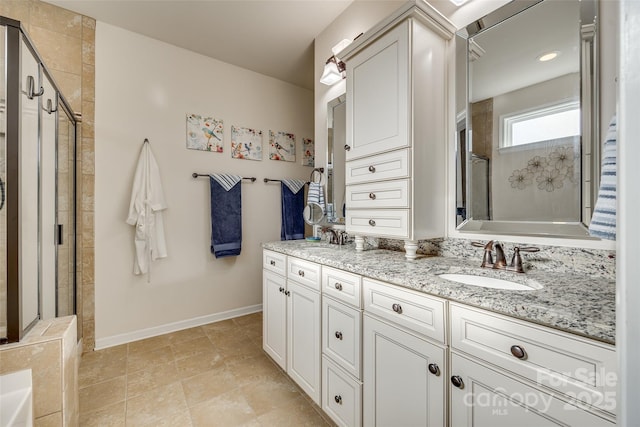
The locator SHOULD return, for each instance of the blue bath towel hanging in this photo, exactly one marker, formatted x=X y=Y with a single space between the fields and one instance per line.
x=292 y=207
x=226 y=215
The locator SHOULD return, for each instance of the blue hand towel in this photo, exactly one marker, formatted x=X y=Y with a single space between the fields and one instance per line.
x=292 y=207
x=603 y=221
x=226 y=215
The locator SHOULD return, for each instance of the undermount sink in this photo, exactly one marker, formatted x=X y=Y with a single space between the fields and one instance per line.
x=488 y=282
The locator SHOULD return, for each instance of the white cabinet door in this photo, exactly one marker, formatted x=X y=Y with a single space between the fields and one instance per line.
x=398 y=388
x=274 y=313
x=378 y=95
x=303 y=334
x=484 y=397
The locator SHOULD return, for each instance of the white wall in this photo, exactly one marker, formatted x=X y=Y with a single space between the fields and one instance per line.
x=144 y=89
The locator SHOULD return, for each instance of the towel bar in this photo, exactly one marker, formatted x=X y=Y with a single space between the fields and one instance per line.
x=196 y=175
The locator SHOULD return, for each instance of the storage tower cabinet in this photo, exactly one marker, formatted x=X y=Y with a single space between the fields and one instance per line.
x=396 y=128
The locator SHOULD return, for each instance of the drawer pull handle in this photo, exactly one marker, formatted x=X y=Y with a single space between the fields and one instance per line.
x=338 y=286
x=301 y=273
x=434 y=369
x=347 y=148
x=272 y=262
x=372 y=223
x=397 y=308
x=372 y=169
x=457 y=382
x=338 y=399
x=339 y=335
x=518 y=352
x=372 y=196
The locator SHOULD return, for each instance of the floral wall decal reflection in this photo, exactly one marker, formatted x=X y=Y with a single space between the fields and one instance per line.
x=549 y=172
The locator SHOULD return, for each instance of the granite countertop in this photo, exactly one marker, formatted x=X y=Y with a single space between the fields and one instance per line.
x=579 y=304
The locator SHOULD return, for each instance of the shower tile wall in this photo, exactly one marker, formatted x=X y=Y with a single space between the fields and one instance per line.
x=66 y=42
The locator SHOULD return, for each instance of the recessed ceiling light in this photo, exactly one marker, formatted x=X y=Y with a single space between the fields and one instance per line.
x=548 y=56
x=458 y=2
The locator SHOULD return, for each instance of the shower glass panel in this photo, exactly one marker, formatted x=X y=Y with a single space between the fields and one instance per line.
x=3 y=180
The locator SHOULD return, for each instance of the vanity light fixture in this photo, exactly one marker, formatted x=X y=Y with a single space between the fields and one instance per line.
x=549 y=56
x=333 y=71
x=334 y=68
x=458 y=2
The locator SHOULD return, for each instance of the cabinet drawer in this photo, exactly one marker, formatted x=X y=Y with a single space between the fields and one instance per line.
x=341 y=395
x=393 y=165
x=274 y=261
x=341 y=333
x=413 y=310
x=389 y=222
x=576 y=366
x=342 y=285
x=304 y=272
x=387 y=194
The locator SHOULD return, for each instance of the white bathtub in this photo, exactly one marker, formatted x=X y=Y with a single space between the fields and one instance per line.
x=16 y=402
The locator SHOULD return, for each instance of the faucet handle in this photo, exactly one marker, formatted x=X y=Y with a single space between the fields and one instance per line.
x=516 y=261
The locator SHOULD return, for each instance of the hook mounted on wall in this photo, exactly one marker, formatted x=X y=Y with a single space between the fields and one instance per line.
x=31 y=88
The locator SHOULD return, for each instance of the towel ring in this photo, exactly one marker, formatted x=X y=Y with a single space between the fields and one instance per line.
x=319 y=171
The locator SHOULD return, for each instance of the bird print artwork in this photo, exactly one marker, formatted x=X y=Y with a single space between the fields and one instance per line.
x=204 y=133
x=246 y=143
x=282 y=146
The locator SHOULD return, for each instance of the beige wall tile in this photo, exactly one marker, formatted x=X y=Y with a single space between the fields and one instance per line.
x=87 y=193
x=88 y=29
x=87 y=267
x=87 y=230
x=88 y=82
x=46 y=365
x=88 y=335
x=59 y=52
x=16 y=9
x=88 y=156
x=52 y=420
x=56 y=19
x=88 y=52
x=71 y=87
x=88 y=304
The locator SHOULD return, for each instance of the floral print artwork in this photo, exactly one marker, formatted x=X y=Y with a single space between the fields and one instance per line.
x=282 y=146
x=246 y=143
x=549 y=172
x=308 y=152
x=204 y=133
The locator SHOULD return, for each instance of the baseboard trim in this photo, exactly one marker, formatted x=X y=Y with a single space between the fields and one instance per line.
x=102 y=343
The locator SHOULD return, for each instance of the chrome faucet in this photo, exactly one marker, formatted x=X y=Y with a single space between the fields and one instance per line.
x=337 y=237
x=501 y=261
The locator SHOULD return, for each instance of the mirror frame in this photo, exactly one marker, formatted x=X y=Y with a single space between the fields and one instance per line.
x=589 y=104
x=337 y=211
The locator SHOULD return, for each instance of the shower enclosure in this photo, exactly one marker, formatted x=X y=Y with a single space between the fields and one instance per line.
x=37 y=189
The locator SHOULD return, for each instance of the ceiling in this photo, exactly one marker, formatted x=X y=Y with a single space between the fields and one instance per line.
x=270 y=37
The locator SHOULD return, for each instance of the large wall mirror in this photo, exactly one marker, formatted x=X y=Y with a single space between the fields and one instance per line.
x=337 y=131
x=527 y=120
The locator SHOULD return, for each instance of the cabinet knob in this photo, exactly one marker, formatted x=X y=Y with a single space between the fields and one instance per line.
x=372 y=223
x=457 y=382
x=372 y=169
x=397 y=308
x=346 y=147
x=301 y=273
x=272 y=262
x=434 y=369
x=518 y=352
x=338 y=399
x=372 y=196
x=287 y=293
x=338 y=286
x=281 y=289
x=339 y=335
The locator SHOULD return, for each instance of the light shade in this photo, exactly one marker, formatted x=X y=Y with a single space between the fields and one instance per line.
x=458 y=2
x=332 y=73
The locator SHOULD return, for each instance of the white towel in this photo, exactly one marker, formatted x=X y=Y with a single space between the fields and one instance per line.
x=316 y=194
x=294 y=184
x=603 y=221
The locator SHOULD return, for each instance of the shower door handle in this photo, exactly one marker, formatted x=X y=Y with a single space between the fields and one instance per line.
x=59 y=234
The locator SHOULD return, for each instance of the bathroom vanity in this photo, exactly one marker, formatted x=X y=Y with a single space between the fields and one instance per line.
x=375 y=340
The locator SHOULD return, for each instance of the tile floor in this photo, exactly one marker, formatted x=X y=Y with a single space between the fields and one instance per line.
x=212 y=375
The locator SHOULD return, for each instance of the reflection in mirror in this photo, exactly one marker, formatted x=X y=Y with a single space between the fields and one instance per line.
x=527 y=130
x=337 y=131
